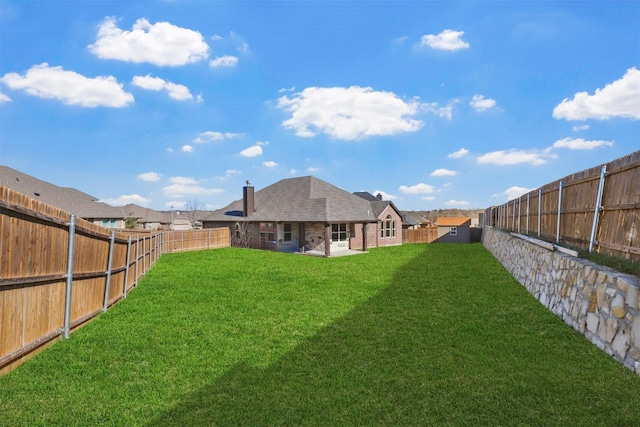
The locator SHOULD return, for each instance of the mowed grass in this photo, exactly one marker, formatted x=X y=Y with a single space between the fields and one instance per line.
x=412 y=335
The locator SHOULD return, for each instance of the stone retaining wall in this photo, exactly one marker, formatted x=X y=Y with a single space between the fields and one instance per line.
x=598 y=302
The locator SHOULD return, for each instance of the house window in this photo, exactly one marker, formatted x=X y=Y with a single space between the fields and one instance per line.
x=271 y=231
x=339 y=232
x=238 y=231
x=453 y=231
x=388 y=228
x=287 y=232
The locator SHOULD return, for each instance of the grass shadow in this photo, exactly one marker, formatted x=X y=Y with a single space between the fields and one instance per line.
x=452 y=340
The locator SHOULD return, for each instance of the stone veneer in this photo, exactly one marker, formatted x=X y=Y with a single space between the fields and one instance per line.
x=598 y=302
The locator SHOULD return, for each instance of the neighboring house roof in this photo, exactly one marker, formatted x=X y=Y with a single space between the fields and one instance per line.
x=304 y=199
x=377 y=204
x=67 y=199
x=144 y=214
x=409 y=220
x=453 y=221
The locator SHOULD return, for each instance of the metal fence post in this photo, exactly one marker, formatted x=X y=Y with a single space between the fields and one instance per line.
x=67 y=301
x=137 y=259
x=109 y=264
x=539 y=211
x=126 y=269
x=519 y=212
x=559 y=212
x=528 y=197
x=596 y=214
x=144 y=254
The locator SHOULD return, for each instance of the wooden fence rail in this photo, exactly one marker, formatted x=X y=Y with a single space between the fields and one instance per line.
x=596 y=209
x=58 y=271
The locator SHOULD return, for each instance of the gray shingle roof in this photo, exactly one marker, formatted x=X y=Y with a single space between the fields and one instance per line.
x=67 y=199
x=304 y=199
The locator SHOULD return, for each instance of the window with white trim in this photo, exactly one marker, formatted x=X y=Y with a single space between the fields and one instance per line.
x=339 y=232
x=268 y=231
x=287 y=232
x=453 y=231
x=388 y=227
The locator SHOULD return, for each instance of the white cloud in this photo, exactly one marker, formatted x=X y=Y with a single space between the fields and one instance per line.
x=385 y=196
x=175 y=91
x=444 y=172
x=230 y=172
x=617 y=99
x=445 y=112
x=253 y=151
x=262 y=143
x=126 y=199
x=187 y=148
x=428 y=198
x=270 y=164
x=417 y=189
x=512 y=157
x=209 y=136
x=4 y=98
x=70 y=87
x=181 y=190
x=447 y=40
x=169 y=150
x=182 y=186
x=580 y=127
x=515 y=192
x=293 y=171
x=312 y=169
x=291 y=89
x=223 y=61
x=458 y=154
x=453 y=202
x=149 y=176
x=184 y=180
x=581 y=144
x=352 y=113
x=480 y=103
x=161 y=44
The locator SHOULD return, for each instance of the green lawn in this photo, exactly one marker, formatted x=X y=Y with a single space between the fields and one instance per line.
x=413 y=335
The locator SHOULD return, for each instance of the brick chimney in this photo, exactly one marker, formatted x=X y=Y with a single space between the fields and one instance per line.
x=248 y=200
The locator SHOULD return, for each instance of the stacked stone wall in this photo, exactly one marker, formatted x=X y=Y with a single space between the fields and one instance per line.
x=598 y=302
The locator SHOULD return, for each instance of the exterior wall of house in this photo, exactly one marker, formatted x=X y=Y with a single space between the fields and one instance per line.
x=374 y=231
x=463 y=234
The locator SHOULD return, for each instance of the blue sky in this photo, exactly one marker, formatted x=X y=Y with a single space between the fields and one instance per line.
x=434 y=104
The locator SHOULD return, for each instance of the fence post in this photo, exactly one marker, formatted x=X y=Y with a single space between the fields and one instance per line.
x=513 y=223
x=528 y=197
x=519 y=212
x=596 y=215
x=126 y=269
x=559 y=212
x=182 y=241
x=137 y=258
x=67 y=302
x=144 y=254
x=109 y=264
x=539 y=210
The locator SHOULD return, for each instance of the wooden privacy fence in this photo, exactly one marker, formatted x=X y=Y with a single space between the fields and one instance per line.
x=597 y=208
x=420 y=235
x=193 y=240
x=58 y=271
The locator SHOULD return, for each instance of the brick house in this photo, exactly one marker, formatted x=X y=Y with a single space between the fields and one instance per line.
x=297 y=215
x=388 y=229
